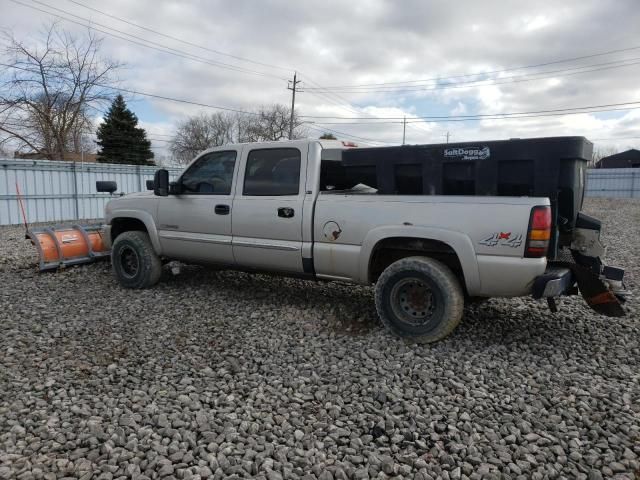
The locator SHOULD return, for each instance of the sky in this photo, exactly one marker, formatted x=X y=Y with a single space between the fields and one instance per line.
x=364 y=65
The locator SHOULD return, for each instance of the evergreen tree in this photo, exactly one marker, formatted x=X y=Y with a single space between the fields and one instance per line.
x=120 y=139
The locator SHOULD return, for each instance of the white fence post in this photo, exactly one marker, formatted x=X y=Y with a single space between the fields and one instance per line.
x=139 y=173
x=76 y=200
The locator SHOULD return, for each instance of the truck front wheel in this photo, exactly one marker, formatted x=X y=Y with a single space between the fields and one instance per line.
x=419 y=298
x=135 y=263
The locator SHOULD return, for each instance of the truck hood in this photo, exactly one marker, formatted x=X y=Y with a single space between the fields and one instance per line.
x=132 y=201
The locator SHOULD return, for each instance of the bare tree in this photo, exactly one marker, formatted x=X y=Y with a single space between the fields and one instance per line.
x=49 y=90
x=271 y=123
x=201 y=132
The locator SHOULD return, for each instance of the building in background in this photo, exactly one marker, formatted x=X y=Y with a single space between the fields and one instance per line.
x=626 y=159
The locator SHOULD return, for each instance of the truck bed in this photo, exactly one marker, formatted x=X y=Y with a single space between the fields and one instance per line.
x=551 y=167
x=487 y=237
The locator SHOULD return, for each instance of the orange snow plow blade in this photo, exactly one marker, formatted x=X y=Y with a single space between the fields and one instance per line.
x=60 y=247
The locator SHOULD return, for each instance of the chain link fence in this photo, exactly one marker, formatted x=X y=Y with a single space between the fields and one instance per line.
x=613 y=183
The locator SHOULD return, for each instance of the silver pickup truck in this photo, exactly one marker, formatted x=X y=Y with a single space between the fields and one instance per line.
x=276 y=207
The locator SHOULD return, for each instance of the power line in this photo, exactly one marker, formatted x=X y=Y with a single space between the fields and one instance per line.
x=293 y=88
x=145 y=94
x=178 y=100
x=342 y=101
x=554 y=62
x=447 y=117
x=149 y=43
x=503 y=116
x=173 y=38
x=476 y=119
x=450 y=118
x=326 y=88
x=240 y=69
x=614 y=138
x=189 y=102
x=329 y=95
x=217 y=52
x=510 y=80
x=324 y=130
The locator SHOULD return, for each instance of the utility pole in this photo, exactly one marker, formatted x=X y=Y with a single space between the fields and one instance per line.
x=404 y=129
x=292 y=86
x=447 y=135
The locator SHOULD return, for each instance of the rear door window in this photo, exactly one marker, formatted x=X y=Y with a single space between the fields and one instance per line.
x=272 y=172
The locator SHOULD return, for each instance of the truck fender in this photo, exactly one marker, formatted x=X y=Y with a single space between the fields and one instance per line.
x=459 y=242
x=145 y=218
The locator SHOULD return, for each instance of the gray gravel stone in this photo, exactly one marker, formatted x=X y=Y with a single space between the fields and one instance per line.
x=227 y=375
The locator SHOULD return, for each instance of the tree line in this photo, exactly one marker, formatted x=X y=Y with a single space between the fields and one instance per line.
x=199 y=132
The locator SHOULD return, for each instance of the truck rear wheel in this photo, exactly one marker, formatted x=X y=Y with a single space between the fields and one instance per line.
x=135 y=263
x=419 y=298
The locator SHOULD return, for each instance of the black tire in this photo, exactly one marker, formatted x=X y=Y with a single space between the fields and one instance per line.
x=419 y=298
x=135 y=263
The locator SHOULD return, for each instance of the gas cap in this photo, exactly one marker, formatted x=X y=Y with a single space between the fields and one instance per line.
x=331 y=231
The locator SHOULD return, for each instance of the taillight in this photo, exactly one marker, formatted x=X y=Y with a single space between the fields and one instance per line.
x=539 y=232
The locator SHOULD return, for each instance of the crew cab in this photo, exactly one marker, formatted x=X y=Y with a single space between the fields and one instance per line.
x=326 y=210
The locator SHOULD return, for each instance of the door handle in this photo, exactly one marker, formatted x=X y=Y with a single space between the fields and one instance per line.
x=222 y=209
x=286 y=212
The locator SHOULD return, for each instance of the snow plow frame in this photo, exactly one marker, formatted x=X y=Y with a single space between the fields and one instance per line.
x=84 y=244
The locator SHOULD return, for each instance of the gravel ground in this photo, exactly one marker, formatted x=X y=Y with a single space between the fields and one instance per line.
x=227 y=375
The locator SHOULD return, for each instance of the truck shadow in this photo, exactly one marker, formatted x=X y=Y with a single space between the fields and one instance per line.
x=350 y=310
x=340 y=307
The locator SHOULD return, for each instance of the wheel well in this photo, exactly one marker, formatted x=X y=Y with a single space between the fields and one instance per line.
x=124 y=224
x=390 y=250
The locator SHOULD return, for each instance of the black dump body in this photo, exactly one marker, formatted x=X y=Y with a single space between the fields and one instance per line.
x=551 y=167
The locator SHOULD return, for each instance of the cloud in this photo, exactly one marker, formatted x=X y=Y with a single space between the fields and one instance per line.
x=330 y=42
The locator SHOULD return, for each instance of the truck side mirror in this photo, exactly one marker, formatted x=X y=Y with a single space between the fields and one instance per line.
x=106 y=186
x=161 y=183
